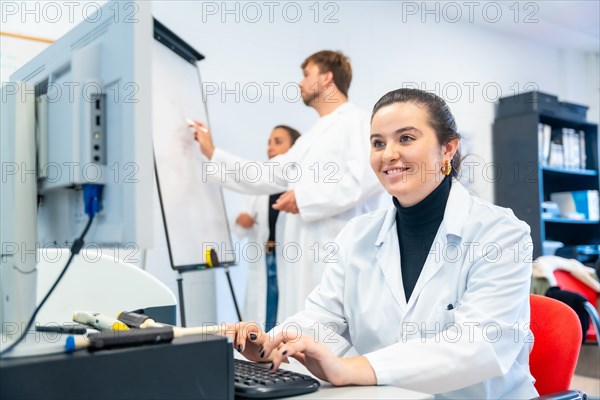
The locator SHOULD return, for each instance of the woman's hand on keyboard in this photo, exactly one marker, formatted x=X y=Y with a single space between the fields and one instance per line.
x=248 y=338
x=319 y=360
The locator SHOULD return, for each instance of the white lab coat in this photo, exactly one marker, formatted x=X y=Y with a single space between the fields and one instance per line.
x=255 y=303
x=480 y=263
x=328 y=169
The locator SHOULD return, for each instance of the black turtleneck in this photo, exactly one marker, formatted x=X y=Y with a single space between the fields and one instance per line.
x=273 y=214
x=417 y=226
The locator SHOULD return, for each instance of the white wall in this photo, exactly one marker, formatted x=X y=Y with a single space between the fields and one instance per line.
x=455 y=60
x=391 y=44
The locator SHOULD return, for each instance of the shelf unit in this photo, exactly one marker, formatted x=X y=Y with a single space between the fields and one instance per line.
x=524 y=183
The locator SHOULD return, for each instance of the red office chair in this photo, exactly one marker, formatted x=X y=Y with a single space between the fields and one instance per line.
x=557 y=337
x=566 y=281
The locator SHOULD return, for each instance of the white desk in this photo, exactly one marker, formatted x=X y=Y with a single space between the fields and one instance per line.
x=327 y=391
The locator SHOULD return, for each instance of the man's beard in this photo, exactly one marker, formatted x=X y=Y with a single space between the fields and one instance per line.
x=310 y=99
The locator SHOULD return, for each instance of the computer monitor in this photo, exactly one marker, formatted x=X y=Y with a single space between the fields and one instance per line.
x=18 y=199
x=90 y=93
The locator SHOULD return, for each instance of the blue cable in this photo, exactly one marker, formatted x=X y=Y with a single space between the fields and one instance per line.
x=92 y=198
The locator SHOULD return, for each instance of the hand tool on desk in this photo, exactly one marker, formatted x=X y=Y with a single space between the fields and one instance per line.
x=136 y=320
x=98 y=321
x=134 y=337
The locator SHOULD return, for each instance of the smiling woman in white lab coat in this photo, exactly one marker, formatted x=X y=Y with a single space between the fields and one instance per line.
x=447 y=316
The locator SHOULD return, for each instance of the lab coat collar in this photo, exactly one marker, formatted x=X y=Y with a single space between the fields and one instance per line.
x=388 y=256
x=309 y=138
x=347 y=106
x=455 y=214
x=457 y=209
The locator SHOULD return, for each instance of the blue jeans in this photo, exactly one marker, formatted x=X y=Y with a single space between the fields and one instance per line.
x=272 y=291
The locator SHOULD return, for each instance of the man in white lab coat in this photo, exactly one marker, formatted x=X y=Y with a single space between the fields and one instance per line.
x=326 y=177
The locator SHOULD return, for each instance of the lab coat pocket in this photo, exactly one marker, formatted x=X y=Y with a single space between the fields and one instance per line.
x=446 y=312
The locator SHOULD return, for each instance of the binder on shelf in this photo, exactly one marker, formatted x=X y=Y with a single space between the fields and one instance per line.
x=556 y=155
x=582 y=156
x=544 y=136
x=578 y=205
x=567 y=150
x=571 y=148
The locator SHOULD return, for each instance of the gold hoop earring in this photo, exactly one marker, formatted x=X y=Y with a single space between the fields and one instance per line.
x=446 y=168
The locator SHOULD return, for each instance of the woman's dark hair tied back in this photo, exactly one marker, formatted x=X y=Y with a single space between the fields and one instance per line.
x=294 y=134
x=440 y=116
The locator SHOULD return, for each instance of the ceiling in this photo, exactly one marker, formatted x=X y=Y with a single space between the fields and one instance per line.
x=561 y=23
x=564 y=24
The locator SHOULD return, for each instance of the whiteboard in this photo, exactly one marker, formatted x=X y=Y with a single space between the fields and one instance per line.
x=193 y=210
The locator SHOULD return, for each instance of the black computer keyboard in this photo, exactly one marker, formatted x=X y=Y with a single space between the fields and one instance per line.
x=255 y=380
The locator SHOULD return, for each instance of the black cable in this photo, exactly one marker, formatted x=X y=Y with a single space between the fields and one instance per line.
x=75 y=249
